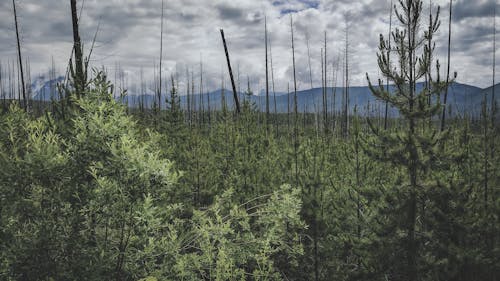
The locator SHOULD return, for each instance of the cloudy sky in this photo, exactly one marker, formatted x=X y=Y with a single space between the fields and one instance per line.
x=129 y=36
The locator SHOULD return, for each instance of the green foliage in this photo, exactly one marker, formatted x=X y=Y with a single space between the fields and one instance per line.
x=92 y=192
x=93 y=197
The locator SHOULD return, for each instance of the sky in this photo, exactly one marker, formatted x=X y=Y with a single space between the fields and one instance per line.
x=128 y=38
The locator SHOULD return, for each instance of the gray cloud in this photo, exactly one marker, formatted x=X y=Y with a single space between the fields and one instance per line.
x=465 y=9
x=229 y=12
x=130 y=36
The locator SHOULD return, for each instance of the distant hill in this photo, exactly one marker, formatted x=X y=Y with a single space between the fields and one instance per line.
x=462 y=98
x=44 y=89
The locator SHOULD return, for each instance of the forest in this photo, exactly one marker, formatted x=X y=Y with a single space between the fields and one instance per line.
x=94 y=188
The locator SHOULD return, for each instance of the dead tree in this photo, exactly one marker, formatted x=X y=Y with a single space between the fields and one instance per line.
x=346 y=105
x=267 y=79
x=295 y=108
x=77 y=48
x=235 y=94
x=493 y=109
x=448 y=70
x=161 y=55
x=309 y=59
x=272 y=82
x=23 y=85
x=325 y=100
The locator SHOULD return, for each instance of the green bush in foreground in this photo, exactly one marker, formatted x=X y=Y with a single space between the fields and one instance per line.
x=92 y=198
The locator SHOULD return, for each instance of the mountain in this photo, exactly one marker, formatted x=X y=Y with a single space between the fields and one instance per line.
x=45 y=89
x=462 y=98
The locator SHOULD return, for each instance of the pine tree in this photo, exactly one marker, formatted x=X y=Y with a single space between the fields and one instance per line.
x=414 y=150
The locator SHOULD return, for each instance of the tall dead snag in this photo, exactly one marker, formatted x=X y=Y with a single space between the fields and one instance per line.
x=309 y=59
x=77 y=48
x=188 y=105
x=325 y=99
x=448 y=71
x=202 y=98
x=274 y=91
x=346 y=104
x=267 y=79
x=295 y=109
x=235 y=94
x=323 y=83
x=161 y=56
x=493 y=109
x=334 y=94
x=2 y=92
x=288 y=107
x=23 y=86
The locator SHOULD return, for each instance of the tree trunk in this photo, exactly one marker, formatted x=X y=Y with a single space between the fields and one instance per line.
x=23 y=85
x=448 y=71
x=235 y=94
x=77 y=48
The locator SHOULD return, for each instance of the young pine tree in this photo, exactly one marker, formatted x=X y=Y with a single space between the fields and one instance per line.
x=415 y=149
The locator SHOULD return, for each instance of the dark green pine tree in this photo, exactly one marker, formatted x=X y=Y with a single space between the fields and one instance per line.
x=174 y=104
x=414 y=150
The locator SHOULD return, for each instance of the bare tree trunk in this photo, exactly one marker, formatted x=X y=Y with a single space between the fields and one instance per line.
x=334 y=95
x=223 y=105
x=274 y=91
x=493 y=109
x=448 y=70
x=23 y=85
x=346 y=109
x=12 y=87
x=161 y=56
x=77 y=47
x=325 y=100
x=288 y=107
x=235 y=94
x=209 y=109
x=309 y=59
x=2 y=90
x=28 y=82
x=323 y=88
x=188 y=105
x=295 y=110
x=202 y=101
x=267 y=80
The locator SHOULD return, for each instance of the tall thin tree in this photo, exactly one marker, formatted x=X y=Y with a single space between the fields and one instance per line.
x=325 y=99
x=161 y=56
x=23 y=85
x=445 y=100
x=493 y=101
x=77 y=48
x=309 y=58
x=267 y=79
x=273 y=86
x=295 y=108
x=235 y=93
x=346 y=90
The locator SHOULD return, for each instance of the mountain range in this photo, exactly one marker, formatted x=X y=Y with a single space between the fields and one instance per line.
x=462 y=98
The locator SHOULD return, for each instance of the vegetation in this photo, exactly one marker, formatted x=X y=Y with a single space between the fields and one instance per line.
x=93 y=190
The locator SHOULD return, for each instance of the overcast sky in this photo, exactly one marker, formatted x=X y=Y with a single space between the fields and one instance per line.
x=129 y=35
